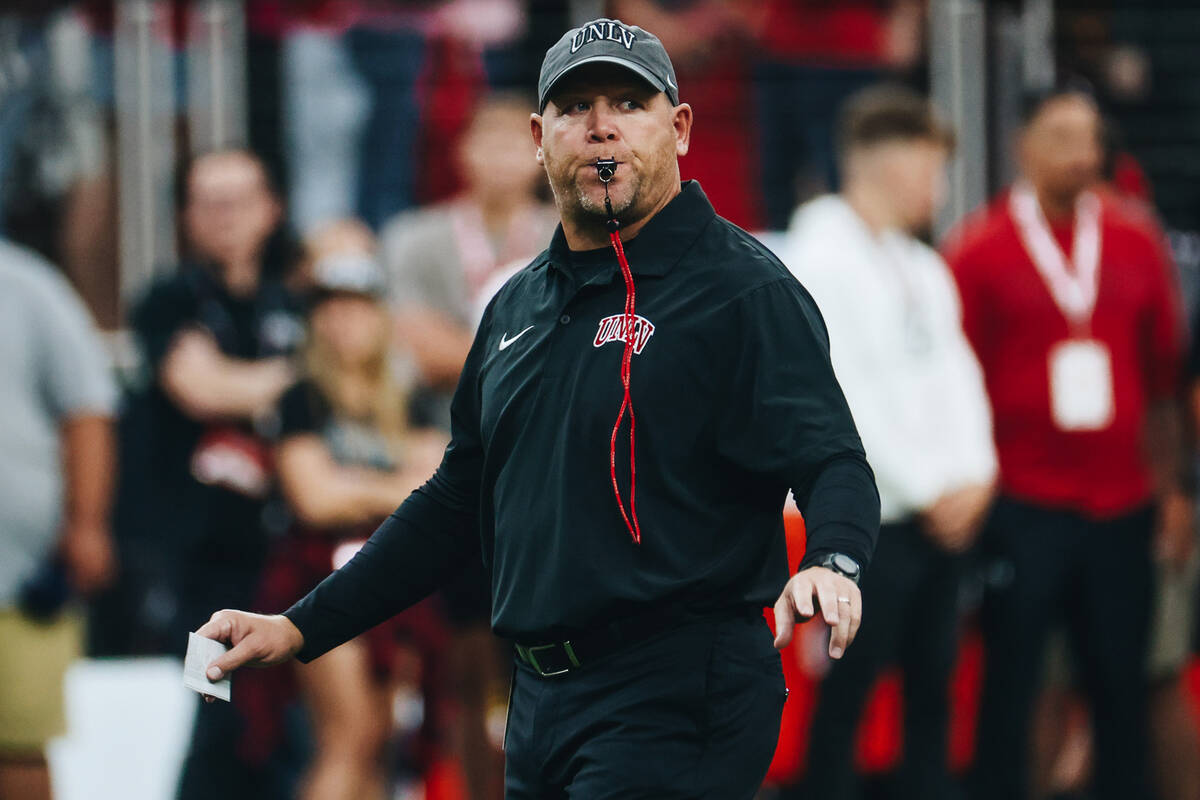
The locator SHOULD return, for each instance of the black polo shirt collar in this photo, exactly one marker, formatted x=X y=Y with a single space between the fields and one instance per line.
x=658 y=247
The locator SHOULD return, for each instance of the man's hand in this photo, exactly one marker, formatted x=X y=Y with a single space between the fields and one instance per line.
x=956 y=517
x=1175 y=536
x=256 y=640
x=839 y=600
x=87 y=550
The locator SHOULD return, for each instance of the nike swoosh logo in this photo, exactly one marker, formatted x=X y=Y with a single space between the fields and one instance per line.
x=505 y=341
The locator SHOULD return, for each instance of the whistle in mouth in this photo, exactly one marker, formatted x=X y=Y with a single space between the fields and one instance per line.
x=606 y=168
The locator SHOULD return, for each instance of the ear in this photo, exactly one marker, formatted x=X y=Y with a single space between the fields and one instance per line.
x=535 y=128
x=682 y=122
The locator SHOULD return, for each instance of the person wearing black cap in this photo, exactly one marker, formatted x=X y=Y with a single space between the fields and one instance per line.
x=625 y=432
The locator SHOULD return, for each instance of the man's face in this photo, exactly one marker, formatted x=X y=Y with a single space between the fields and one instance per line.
x=914 y=174
x=603 y=111
x=230 y=209
x=1060 y=148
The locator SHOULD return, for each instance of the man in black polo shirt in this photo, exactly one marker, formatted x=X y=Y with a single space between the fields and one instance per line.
x=630 y=559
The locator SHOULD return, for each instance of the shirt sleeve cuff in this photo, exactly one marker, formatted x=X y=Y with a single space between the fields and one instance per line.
x=301 y=615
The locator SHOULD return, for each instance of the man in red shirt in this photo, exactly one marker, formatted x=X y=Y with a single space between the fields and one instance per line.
x=1070 y=305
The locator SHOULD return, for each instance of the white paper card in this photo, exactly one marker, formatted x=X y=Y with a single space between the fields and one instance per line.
x=1081 y=385
x=201 y=652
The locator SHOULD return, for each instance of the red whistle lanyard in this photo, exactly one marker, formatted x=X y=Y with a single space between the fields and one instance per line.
x=631 y=518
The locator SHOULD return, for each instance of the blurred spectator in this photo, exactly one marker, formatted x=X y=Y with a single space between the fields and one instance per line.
x=346 y=459
x=325 y=110
x=918 y=400
x=813 y=54
x=708 y=42
x=439 y=259
x=372 y=60
x=467 y=39
x=56 y=462
x=24 y=59
x=216 y=337
x=53 y=154
x=1128 y=50
x=1071 y=308
x=1063 y=750
x=513 y=65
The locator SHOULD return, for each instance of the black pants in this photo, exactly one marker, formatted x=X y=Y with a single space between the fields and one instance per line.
x=910 y=618
x=693 y=713
x=1095 y=577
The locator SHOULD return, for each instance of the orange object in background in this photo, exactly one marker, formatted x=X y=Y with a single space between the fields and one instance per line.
x=788 y=763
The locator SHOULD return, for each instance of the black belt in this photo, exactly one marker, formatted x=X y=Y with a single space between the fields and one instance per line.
x=566 y=655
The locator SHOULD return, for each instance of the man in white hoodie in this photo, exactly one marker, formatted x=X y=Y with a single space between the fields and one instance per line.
x=917 y=396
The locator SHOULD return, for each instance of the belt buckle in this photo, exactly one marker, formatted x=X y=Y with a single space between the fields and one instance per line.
x=528 y=653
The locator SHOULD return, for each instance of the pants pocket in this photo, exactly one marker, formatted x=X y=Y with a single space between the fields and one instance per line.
x=745 y=697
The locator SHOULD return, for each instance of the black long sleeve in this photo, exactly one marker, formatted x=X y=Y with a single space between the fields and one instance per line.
x=417 y=549
x=787 y=418
x=840 y=504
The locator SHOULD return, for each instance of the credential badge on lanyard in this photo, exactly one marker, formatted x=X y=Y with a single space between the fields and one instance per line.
x=1080 y=367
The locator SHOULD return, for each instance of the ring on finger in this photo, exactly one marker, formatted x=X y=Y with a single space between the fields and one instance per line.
x=843 y=599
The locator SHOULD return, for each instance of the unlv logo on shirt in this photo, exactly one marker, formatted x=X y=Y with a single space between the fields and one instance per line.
x=612 y=329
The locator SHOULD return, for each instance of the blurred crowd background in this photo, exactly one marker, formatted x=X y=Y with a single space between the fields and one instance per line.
x=243 y=248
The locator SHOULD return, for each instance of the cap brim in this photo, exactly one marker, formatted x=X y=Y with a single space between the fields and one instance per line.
x=632 y=66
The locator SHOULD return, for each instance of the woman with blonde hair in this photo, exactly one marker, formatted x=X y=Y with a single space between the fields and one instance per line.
x=346 y=459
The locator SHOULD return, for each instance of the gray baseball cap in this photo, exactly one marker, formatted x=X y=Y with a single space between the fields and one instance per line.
x=612 y=41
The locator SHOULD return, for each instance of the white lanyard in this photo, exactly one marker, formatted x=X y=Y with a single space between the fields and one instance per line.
x=1074 y=290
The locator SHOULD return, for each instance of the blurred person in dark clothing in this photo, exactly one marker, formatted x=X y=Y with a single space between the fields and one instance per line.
x=917 y=395
x=216 y=337
x=56 y=462
x=346 y=459
x=1070 y=304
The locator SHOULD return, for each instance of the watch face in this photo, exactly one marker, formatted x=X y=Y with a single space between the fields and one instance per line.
x=846 y=564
